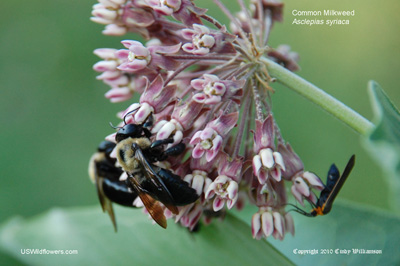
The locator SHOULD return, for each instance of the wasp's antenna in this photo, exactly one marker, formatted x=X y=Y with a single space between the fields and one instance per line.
x=128 y=113
x=299 y=210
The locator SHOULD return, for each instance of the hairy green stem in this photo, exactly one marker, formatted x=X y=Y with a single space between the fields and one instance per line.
x=319 y=97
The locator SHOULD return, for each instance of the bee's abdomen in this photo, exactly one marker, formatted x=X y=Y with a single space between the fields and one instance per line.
x=181 y=192
x=118 y=192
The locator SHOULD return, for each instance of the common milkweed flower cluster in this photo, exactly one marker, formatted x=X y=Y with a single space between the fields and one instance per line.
x=205 y=84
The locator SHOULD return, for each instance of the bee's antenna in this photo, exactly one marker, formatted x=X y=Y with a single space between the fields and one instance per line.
x=113 y=126
x=128 y=113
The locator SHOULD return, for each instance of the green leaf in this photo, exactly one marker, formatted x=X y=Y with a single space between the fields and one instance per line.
x=137 y=242
x=384 y=141
x=347 y=227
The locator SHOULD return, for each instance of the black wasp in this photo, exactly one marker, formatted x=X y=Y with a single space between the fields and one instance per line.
x=334 y=183
x=136 y=154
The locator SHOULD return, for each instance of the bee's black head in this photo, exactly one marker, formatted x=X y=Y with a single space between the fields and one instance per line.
x=129 y=131
x=106 y=147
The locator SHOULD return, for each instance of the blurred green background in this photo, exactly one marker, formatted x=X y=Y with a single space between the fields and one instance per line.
x=53 y=112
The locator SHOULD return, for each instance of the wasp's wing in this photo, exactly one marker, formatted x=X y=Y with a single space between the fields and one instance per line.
x=152 y=206
x=333 y=176
x=339 y=184
x=162 y=190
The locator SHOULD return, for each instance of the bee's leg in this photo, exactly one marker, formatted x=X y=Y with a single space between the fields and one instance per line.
x=148 y=123
x=147 y=132
x=175 y=150
x=160 y=142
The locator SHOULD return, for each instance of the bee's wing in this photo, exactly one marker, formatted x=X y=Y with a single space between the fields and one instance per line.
x=162 y=190
x=105 y=203
x=152 y=206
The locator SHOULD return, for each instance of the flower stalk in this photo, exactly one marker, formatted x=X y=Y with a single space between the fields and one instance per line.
x=311 y=92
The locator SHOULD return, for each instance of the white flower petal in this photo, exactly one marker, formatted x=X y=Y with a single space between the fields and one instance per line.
x=221 y=179
x=267 y=223
x=313 y=180
x=165 y=131
x=267 y=158
x=302 y=186
x=276 y=173
x=232 y=189
x=279 y=160
x=289 y=223
x=218 y=204
x=198 y=183
x=256 y=164
x=255 y=224
x=297 y=195
x=210 y=192
x=278 y=223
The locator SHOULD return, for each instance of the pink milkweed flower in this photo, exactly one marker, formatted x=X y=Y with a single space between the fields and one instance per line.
x=225 y=187
x=209 y=141
x=114 y=30
x=225 y=190
x=206 y=142
x=136 y=58
x=284 y=56
x=119 y=94
x=165 y=7
x=103 y=14
x=167 y=129
x=274 y=6
x=109 y=63
x=190 y=215
x=213 y=90
x=137 y=113
x=139 y=57
x=157 y=95
x=303 y=181
x=265 y=223
x=186 y=113
x=266 y=162
x=199 y=181
x=121 y=16
x=201 y=37
x=122 y=85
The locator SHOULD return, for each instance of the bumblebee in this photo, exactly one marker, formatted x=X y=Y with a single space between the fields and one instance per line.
x=105 y=175
x=334 y=183
x=136 y=154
